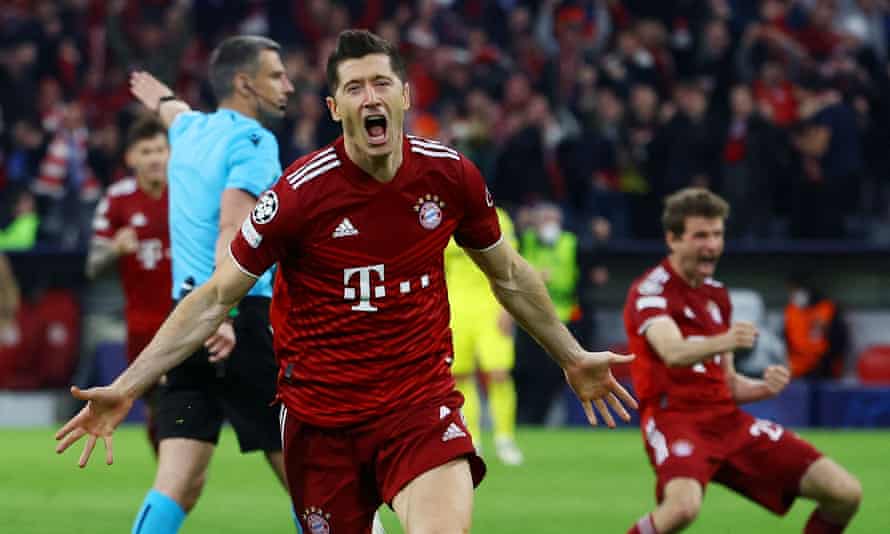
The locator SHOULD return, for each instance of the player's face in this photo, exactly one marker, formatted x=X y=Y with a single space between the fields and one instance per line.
x=371 y=102
x=271 y=85
x=699 y=248
x=148 y=159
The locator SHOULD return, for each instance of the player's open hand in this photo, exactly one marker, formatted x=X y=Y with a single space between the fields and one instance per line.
x=105 y=409
x=776 y=378
x=221 y=344
x=148 y=89
x=592 y=381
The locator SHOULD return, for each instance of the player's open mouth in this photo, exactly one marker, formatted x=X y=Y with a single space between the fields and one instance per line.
x=375 y=126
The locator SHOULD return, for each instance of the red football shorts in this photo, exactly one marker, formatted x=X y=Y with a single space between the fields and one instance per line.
x=755 y=457
x=339 y=477
x=138 y=340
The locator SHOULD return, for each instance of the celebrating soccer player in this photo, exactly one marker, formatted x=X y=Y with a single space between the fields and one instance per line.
x=130 y=230
x=360 y=313
x=679 y=322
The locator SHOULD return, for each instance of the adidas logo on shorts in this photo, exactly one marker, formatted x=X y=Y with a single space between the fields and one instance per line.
x=453 y=431
x=345 y=229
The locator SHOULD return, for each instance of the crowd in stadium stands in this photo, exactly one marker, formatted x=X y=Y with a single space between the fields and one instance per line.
x=601 y=106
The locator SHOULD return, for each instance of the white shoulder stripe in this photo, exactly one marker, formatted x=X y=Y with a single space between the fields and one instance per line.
x=305 y=169
x=434 y=146
x=651 y=302
x=317 y=172
x=435 y=154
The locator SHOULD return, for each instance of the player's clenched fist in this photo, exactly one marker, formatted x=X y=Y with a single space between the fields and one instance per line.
x=776 y=378
x=742 y=335
x=126 y=241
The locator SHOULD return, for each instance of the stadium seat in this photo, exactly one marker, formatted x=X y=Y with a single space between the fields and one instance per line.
x=59 y=315
x=873 y=365
x=19 y=348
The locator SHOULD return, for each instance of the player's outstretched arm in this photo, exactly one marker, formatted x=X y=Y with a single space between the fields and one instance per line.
x=521 y=291
x=195 y=318
x=150 y=91
x=665 y=337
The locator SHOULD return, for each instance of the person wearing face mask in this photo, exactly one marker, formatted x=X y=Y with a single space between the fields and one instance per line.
x=553 y=252
x=815 y=331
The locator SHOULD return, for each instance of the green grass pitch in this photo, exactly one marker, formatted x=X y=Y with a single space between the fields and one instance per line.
x=575 y=480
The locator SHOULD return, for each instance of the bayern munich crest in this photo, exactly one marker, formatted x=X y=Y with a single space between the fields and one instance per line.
x=316 y=520
x=429 y=211
x=266 y=208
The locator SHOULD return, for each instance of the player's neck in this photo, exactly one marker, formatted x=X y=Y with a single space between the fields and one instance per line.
x=154 y=190
x=691 y=279
x=381 y=168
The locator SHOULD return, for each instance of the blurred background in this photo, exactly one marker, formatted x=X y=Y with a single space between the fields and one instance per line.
x=596 y=107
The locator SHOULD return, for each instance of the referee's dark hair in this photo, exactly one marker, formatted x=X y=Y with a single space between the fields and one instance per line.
x=240 y=53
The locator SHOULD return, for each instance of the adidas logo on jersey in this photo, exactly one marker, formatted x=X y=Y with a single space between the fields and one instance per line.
x=345 y=229
x=453 y=431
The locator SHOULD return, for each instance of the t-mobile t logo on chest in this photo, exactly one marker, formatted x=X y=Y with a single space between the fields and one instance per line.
x=367 y=287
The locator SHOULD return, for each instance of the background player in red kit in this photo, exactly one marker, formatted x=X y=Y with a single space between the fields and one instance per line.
x=130 y=231
x=360 y=313
x=678 y=320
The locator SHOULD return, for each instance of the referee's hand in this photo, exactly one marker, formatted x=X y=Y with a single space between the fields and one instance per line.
x=221 y=344
x=105 y=409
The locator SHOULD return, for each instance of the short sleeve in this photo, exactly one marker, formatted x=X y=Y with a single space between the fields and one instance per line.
x=644 y=307
x=181 y=123
x=478 y=229
x=253 y=162
x=267 y=233
x=105 y=220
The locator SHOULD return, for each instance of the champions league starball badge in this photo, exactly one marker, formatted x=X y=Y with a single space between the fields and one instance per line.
x=266 y=208
x=317 y=520
x=429 y=211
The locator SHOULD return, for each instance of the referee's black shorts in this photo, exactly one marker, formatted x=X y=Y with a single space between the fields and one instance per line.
x=198 y=396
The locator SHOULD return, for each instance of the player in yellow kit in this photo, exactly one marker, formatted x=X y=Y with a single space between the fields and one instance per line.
x=483 y=340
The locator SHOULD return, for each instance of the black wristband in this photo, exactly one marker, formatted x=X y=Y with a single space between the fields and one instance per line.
x=166 y=98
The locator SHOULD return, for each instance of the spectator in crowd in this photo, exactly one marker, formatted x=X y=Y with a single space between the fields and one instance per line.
x=21 y=233
x=554 y=253
x=815 y=331
x=9 y=293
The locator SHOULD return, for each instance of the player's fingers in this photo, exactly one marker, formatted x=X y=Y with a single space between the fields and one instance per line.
x=109 y=451
x=617 y=407
x=604 y=412
x=621 y=358
x=87 y=451
x=70 y=439
x=622 y=394
x=588 y=410
x=68 y=427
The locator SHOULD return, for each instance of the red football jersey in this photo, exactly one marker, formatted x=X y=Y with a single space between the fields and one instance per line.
x=360 y=311
x=145 y=275
x=699 y=312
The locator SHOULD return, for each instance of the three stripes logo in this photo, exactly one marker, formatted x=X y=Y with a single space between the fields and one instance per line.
x=345 y=229
x=315 y=167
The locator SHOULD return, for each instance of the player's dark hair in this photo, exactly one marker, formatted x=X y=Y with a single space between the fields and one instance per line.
x=238 y=54
x=146 y=127
x=691 y=202
x=355 y=44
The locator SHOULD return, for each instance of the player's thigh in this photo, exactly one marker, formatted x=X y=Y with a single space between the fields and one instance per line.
x=495 y=349
x=330 y=490
x=677 y=449
x=768 y=464
x=440 y=500
x=827 y=480
x=182 y=465
x=464 y=337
